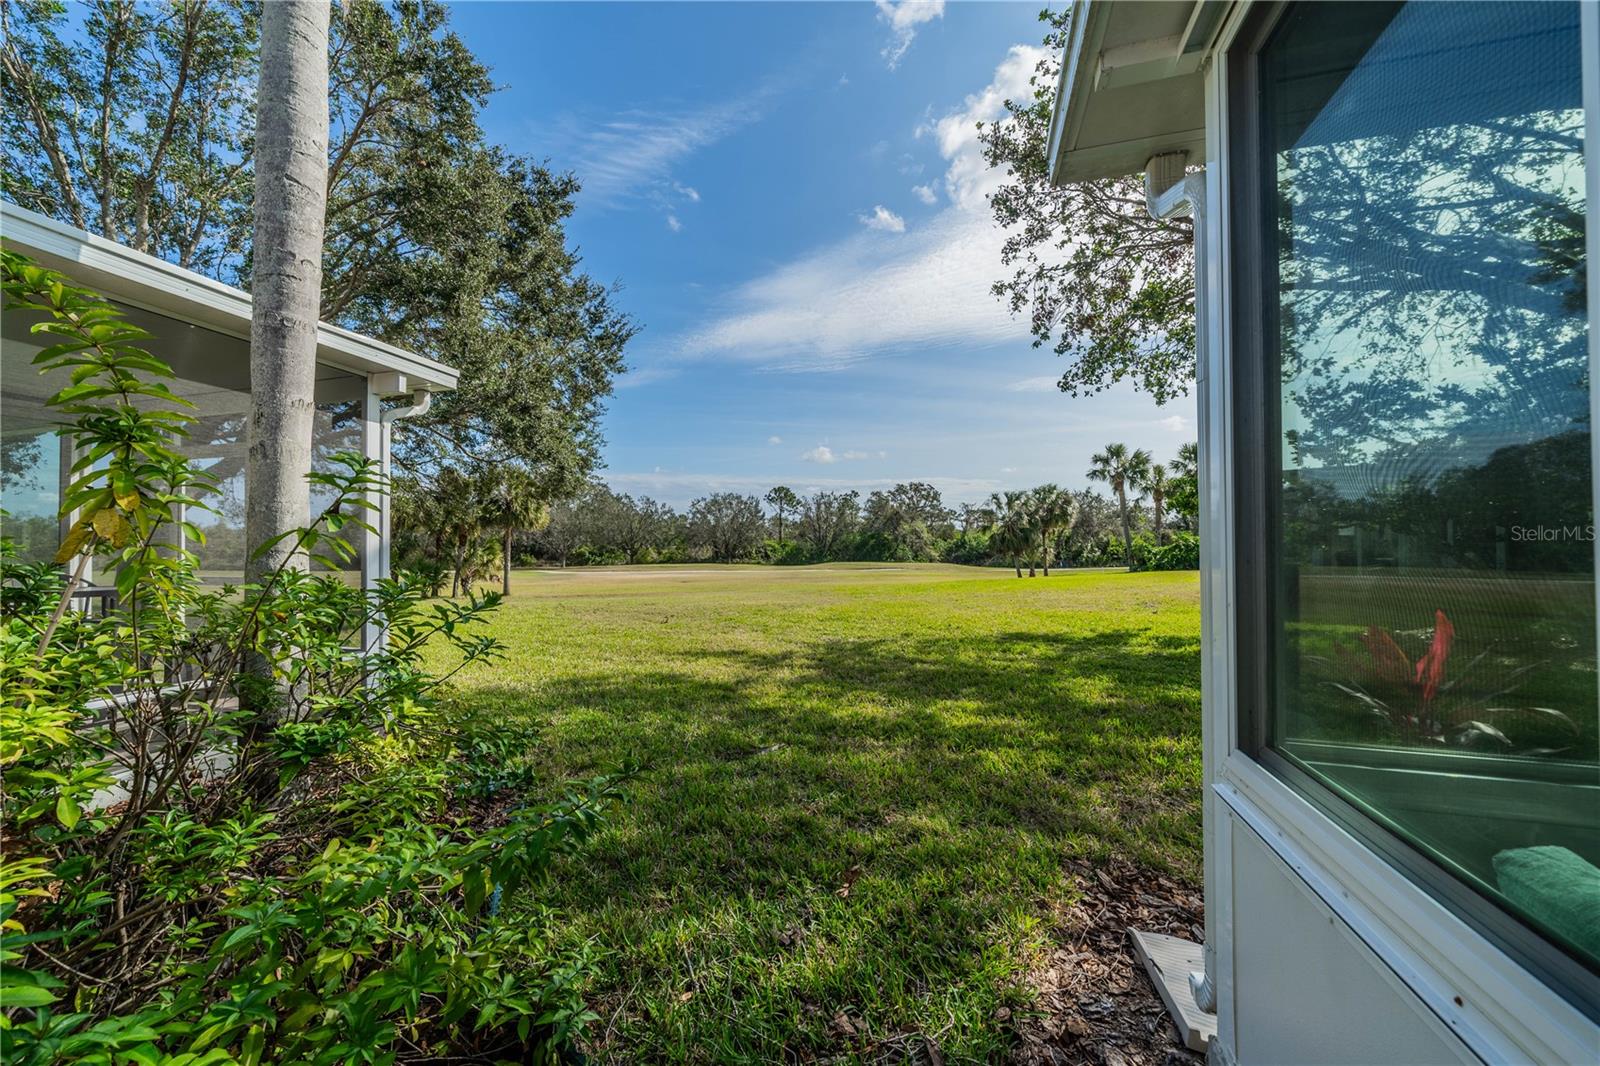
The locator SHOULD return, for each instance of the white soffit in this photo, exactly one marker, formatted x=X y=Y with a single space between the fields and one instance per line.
x=1131 y=85
x=133 y=278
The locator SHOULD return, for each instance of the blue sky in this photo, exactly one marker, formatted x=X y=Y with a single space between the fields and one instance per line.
x=792 y=199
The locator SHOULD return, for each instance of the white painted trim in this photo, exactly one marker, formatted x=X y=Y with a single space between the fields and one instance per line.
x=1506 y=1014
x=156 y=285
x=1589 y=30
x=374 y=541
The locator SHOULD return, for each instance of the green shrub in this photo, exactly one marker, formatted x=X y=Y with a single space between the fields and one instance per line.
x=970 y=549
x=785 y=553
x=1180 y=552
x=317 y=880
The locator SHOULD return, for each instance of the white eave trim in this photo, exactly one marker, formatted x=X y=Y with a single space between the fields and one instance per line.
x=155 y=285
x=1087 y=28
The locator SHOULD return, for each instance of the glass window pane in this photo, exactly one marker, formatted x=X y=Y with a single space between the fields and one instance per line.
x=1430 y=491
x=30 y=481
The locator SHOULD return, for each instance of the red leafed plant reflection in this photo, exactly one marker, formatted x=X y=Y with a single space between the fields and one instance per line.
x=1428 y=702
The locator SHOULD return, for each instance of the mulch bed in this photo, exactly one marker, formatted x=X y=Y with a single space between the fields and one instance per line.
x=1096 y=1006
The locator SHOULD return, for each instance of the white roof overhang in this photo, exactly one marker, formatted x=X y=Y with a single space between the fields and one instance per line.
x=128 y=277
x=1131 y=85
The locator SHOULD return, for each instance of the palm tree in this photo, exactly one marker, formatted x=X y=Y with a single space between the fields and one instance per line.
x=1184 y=494
x=1010 y=528
x=290 y=209
x=515 y=506
x=1122 y=470
x=1155 y=484
x=1052 y=509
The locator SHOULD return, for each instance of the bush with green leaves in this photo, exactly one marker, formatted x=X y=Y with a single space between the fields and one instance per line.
x=1180 y=552
x=318 y=878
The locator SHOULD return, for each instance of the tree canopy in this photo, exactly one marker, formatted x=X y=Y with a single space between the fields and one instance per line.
x=1099 y=280
x=137 y=122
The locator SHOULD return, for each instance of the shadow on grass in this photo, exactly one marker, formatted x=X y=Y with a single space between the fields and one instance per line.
x=860 y=825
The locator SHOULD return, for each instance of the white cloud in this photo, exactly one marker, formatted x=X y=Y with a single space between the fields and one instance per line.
x=884 y=219
x=673 y=224
x=879 y=291
x=633 y=153
x=903 y=17
x=924 y=193
x=844 y=79
x=1042 y=383
x=774 y=439
x=1175 y=424
x=826 y=455
x=968 y=179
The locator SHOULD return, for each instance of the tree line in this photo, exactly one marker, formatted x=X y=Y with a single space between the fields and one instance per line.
x=460 y=529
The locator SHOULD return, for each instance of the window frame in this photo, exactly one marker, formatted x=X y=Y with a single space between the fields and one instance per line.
x=1250 y=271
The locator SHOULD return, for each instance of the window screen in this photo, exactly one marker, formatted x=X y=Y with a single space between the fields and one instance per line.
x=1425 y=506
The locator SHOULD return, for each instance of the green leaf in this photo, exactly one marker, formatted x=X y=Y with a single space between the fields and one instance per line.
x=67 y=811
x=25 y=996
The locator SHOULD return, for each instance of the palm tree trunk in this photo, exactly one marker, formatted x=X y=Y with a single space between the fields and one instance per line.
x=290 y=209
x=505 y=564
x=1018 y=564
x=1127 y=538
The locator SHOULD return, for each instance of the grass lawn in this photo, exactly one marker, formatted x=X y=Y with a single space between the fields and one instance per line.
x=862 y=785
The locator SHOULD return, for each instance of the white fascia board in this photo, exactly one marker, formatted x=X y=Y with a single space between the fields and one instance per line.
x=143 y=281
x=1116 y=106
x=1087 y=29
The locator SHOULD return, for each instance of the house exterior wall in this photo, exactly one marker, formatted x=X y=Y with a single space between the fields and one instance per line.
x=1319 y=950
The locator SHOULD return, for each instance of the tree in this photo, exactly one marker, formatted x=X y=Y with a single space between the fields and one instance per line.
x=563 y=534
x=1051 y=510
x=782 y=499
x=141 y=125
x=134 y=122
x=1010 y=528
x=1184 y=493
x=1100 y=281
x=650 y=528
x=727 y=524
x=1155 y=485
x=827 y=519
x=290 y=201
x=1122 y=470
x=909 y=515
x=515 y=505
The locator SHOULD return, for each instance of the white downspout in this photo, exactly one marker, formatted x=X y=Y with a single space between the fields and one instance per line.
x=1169 y=192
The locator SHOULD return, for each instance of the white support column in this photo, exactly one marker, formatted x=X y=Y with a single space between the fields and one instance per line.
x=375 y=541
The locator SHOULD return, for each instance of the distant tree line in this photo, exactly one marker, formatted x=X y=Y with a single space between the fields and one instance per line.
x=462 y=529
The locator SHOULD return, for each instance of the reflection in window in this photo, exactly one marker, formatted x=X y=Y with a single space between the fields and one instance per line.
x=30 y=482
x=1433 y=509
